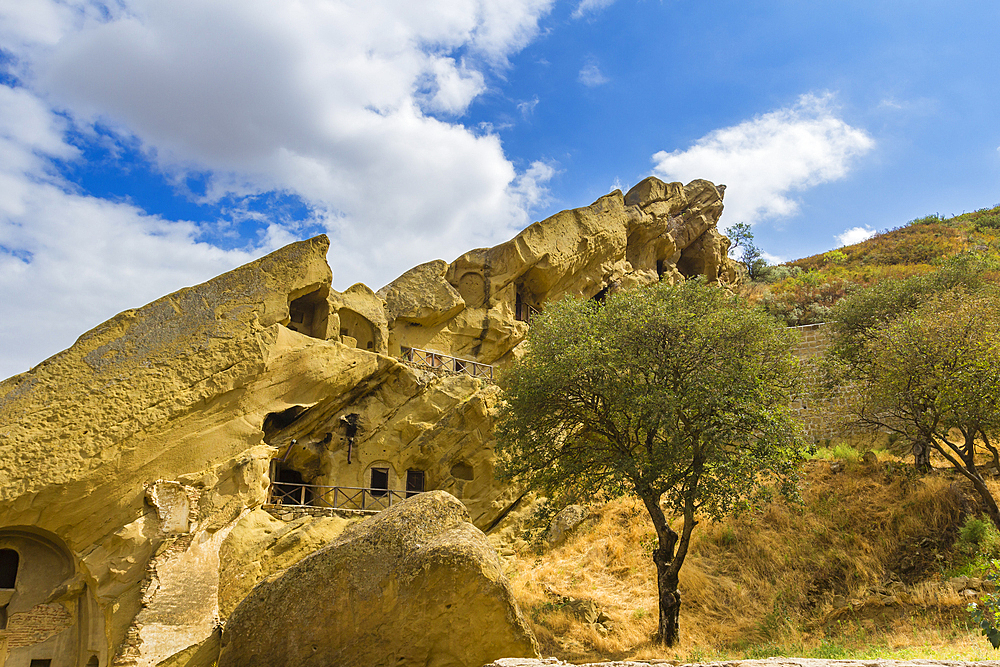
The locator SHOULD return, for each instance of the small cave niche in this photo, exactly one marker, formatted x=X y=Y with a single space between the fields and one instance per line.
x=277 y=421
x=660 y=268
x=602 y=295
x=358 y=327
x=309 y=313
x=524 y=303
x=463 y=471
x=690 y=267
x=472 y=287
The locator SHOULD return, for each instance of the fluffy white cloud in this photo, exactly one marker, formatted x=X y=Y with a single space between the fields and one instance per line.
x=855 y=235
x=69 y=261
x=351 y=106
x=764 y=159
x=591 y=7
x=591 y=75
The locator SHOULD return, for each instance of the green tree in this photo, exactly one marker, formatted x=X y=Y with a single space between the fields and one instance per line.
x=932 y=374
x=862 y=315
x=677 y=395
x=741 y=237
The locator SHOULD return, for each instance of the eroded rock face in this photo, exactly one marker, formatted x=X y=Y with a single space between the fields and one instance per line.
x=140 y=454
x=477 y=307
x=416 y=585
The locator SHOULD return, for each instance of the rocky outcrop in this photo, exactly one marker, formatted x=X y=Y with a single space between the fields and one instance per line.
x=565 y=522
x=137 y=458
x=416 y=585
x=260 y=545
x=477 y=307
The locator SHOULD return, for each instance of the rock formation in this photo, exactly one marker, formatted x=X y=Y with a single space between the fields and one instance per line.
x=478 y=306
x=133 y=464
x=416 y=585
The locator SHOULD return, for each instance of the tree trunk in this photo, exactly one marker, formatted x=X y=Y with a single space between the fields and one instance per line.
x=668 y=565
x=922 y=457
x=669 y=597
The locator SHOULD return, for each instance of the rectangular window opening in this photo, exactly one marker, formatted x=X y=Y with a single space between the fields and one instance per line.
x=380 y=482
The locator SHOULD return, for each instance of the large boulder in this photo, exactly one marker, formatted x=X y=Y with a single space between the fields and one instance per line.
x=416 y=585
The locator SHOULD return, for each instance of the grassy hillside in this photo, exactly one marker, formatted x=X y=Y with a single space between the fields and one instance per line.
x=801 y=292
x=860 y=569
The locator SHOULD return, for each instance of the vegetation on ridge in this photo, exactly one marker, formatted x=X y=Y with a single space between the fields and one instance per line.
x=803 y=291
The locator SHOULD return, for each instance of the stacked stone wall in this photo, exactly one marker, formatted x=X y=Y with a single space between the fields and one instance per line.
x=823 y=410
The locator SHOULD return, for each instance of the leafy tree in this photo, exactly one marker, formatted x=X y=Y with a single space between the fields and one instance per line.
x=862 y=315
x=677 y=395
x=932 y=374
x=751 y=256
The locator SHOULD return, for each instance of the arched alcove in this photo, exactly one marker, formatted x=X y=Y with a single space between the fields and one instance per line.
x=41 y=625
x=358 y=327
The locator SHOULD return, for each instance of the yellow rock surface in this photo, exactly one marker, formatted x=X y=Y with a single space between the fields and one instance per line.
x=657 y=231
x=416 y=585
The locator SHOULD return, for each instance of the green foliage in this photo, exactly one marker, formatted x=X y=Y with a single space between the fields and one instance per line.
x=979 y=540
x=740 y=236
x=860 y=313
x=679 y=392
x=986 y=613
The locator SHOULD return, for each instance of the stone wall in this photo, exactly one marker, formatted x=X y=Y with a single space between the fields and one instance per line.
x=823 y=411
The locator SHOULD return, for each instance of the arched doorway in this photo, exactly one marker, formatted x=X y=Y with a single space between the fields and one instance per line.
x=38 y=625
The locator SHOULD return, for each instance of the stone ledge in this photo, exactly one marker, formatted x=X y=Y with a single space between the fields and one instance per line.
x=293 y=512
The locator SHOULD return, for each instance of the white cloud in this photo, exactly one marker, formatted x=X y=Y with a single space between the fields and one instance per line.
x=527 y=107
x=349 y=106
x=591 y=75
x=591 y=7
x=855 y=235
x=69 y=261
x=765 y=159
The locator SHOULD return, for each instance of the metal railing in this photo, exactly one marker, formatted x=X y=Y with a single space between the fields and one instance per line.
x=447 y=363
x=335 y=497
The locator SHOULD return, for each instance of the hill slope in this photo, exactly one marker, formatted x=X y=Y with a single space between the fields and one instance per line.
x=802 y=291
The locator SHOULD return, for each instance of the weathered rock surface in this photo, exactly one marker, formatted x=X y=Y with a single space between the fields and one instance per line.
x=476 y=306
x=416 y=585
x=564 y=522
x=260 y=545
x=138 y=455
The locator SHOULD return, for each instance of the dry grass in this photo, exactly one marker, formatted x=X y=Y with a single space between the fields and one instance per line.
x=773 y=583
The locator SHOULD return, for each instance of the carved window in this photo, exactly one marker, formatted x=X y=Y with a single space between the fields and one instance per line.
x=9 y=560
x=380 y=482
x=40 y=663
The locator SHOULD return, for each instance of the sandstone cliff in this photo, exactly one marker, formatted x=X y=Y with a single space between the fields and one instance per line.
x=136 y=456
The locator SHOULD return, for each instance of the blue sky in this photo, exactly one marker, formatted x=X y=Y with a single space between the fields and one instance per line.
x=146 y=146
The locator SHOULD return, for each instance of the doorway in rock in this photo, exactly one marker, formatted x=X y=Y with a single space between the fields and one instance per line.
x=379 y=482
x=9 y=560
x=414 y=482
x=288 y=487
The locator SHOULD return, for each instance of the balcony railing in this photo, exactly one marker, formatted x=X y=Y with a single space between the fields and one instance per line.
x=335 y=497
x=447 y=363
